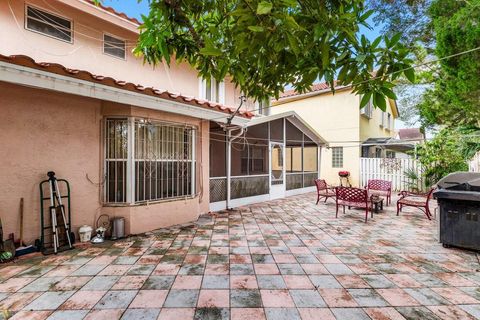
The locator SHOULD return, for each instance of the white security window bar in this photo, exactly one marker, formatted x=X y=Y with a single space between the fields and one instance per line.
x=114 y=46
x=48 y=24
x=148 y=161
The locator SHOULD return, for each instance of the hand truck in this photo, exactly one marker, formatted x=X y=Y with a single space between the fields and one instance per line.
x=59 y=218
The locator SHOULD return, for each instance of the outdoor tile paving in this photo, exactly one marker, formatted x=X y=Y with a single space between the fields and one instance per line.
x=285 y=259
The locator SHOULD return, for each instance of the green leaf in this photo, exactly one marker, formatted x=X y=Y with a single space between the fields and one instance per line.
x=394 y=40
x=389 y=93
x=210 y=51
x=410 y=74
x=264 y=7
x=365 y=99
x=255 y=28
x=379 y=101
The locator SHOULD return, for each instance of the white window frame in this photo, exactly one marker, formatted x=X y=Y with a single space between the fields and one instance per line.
x=367 y=110
x=130 y=176
x=26 y=17
x=117 y=38
x=220 y=95
x=389 y=121
x=383 y=117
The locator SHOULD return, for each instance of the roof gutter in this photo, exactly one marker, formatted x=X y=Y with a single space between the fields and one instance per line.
x=307 y=95
x=35 y=78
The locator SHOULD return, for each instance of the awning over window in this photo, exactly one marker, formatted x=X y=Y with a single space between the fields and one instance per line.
x=389 y=143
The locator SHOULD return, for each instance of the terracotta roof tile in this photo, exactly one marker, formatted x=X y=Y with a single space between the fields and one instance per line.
x=111 y=82
x=315 y=87
x=410 y=134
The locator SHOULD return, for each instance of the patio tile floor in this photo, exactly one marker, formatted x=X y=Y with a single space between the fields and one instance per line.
x=285 y=259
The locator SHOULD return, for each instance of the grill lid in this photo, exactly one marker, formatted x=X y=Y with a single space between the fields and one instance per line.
x=460 y=181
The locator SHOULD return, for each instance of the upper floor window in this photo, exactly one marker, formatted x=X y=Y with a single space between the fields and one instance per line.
x=263 y=107
x=114 y=46
x=212 y=90
x=337 y=157
x=389 y=121
x=367 y=110
x=51 y=25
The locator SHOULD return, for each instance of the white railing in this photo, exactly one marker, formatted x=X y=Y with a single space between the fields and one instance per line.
x=390 y=169
x=474 y=163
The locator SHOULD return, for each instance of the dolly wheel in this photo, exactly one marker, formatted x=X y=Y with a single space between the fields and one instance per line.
x=446 y=245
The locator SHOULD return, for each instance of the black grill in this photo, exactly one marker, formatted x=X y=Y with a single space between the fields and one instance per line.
x=459 y=201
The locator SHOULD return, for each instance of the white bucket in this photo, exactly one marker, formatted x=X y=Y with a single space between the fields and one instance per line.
x=85 y=233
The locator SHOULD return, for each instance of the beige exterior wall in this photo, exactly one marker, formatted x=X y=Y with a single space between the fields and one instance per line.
x=336 y=117
x=44 y=130
x=86 y=51
x=372 y=128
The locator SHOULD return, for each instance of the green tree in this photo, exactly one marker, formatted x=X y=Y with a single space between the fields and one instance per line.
x=455 y=98
x=448 y=152
x=265 y=45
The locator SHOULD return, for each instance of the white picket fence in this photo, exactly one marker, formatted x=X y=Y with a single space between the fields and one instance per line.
x=474 y=164
x=390 y=169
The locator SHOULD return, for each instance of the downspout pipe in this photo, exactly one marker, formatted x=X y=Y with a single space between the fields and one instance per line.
x=230 y=140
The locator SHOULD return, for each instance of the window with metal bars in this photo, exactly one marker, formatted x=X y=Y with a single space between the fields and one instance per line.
x=148 y=161
x=114 y=46
x=49 y=24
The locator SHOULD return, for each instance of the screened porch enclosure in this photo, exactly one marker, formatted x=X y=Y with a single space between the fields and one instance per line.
x=271 y=159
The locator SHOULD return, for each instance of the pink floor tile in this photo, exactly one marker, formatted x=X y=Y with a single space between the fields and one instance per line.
x=176 y=314
x=31 y=315
x=83 y=300
x=450 y=313
x=129 y=283
x=352 y=281
x=266 y=268
x=455 y=296
x=386 y=313
x=243 y=282
x=247 y=314
x=217 y=269
x=71 y=283
x=298 y=282
x=195 y=258
x=240 y=258
x=403 y=280
x=18 y=300
x=455 y=280
x=337 y=298
x=328 y=258
x=149 y=299
x=284 y=258
x=166 y=269
x=115 y=270
x=187 y=282
x=149 y=259
x=14 y=284
x=316 y=314
x=398 y=297
x=276 y=299
x=107 y=314
x=313 y=269
x=214 y=298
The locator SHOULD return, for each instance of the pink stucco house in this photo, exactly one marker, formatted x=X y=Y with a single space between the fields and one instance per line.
x=134 y=141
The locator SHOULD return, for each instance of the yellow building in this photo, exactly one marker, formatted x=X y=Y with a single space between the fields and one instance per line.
x=339 y=120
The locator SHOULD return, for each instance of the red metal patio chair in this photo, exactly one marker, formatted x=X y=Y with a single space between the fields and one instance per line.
x=323 y=190
x=380 y=188
x=353 y=197
x=417 y=200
